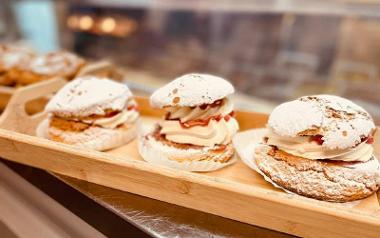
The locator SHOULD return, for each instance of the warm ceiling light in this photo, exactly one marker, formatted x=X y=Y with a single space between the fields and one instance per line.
x=108 y=24
x=72 y=22
x=86 y=22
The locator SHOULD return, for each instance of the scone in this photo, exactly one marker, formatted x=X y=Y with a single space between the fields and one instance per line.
x=91 y=112
x=12 y=57
x=320 y=147
x=196 y=133
x=43 y=67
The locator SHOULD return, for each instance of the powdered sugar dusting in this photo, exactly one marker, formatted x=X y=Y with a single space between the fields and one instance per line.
x=87 y=96
x=341 y=122
x=369 y=166
x=192 y=90
x=63 y=63
x=290 y=118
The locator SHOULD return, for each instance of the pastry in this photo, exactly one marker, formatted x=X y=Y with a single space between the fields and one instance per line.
x=320 y=147
x=10 y=58
x=196 y=133
x=43 y=67
x=91 y=112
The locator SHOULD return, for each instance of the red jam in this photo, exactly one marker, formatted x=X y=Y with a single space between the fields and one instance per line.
x=227 y=117
x=203 y=107
x=217 y=103
x=318 y=139
x=370 y=140
x=111 y=114
x=204 y=122
x=221 y=148
x=132 y=107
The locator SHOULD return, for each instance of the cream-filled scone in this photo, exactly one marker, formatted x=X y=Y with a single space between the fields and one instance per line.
x=12 y=57
x=196 y=133
x=61 y=63
x=91 y=112
x=320 y=147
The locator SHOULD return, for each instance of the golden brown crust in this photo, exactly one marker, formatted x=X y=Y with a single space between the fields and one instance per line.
x=68 y=125
x=323 y=180
x=5 y=80
x=310 y=132
x=25 y=56
x=94 y=137
x=24 y=74
x=108 y=113
x=60 y=137
x=77 y=124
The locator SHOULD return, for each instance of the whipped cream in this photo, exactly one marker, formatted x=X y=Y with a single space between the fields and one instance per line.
x=214 y=133
x=185 y=114
x=56 y=62
x=127 y=117
x=303 y=147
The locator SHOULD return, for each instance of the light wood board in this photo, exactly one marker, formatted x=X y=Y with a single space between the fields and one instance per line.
x=235 y=192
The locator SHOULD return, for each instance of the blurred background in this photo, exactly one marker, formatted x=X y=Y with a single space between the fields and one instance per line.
x=271 y=50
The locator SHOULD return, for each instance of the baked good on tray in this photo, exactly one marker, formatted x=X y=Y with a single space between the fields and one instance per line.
x=60 y=63
x=91 y=112
x=196 y=133
x=12 y=57
x=321 y=147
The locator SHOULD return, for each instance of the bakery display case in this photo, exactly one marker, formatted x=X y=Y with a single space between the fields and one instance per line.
x=271 y=50
x=189 y=135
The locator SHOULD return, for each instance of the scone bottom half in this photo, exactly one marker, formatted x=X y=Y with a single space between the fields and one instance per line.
x=326 y=180
x=112 y=130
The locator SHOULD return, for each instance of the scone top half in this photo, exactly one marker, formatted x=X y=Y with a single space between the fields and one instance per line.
x=322 y=127
x=92 y=102
x=60 y=63
x=11 y=56
x=199 y=112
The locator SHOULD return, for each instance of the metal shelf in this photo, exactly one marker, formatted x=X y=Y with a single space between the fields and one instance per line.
x=366 y=8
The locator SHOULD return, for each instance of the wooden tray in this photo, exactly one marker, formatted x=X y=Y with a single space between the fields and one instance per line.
x=235 y=192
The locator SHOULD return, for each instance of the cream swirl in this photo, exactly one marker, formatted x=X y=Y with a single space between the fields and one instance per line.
x=216 y=132
x=185 y=114
x=303 y=147
x=127 y=117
